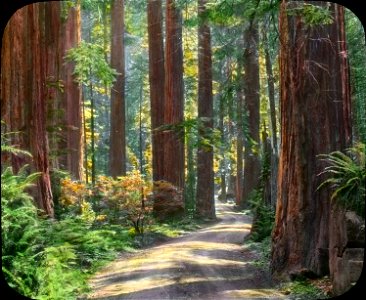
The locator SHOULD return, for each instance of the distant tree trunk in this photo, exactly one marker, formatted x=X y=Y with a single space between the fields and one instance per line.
x=205 y=202
x=117 y=154
x=72 y=97
x=273 y=121
x=231 y=182
x=314 y=119
x=251 y=92
x=174 y=102
x=156 y=77
x=239 y=140
x=223 y=164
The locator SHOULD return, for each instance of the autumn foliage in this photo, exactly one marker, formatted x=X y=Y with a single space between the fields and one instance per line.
x=121 y=200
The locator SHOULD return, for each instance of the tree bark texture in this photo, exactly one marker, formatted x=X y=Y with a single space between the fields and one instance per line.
x=13 y=82
x=223 y=163
x=273 y=122
x=157 y=81
x=72 y=97
x=315 y=119
x=251 y=92
x=239 y=139
x=174 y=101
x=24 y=89
x=53 y=97
x=205 y=203
x=117 y=154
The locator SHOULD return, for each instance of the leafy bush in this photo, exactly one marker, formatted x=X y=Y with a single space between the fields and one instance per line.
x=264 y=216
x=115 y=201
x=347 y=177
x=50 y=259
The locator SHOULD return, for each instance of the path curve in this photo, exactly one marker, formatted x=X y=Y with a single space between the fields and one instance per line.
x=210 y=263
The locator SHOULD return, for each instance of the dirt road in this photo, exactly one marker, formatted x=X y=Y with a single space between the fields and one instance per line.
x=207 y=264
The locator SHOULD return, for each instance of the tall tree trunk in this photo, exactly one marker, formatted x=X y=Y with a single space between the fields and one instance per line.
x=251 y=92
x=271 y=94
x=223 y=164
x=25 y=85
x=72 y=97
x=37 y=133
x=315 y=119
x=174 y=101
x=273 y=121
x=205 y=202
x=13 y=85
x=53 y=83
x=156 y=77
x=239 y=139
x=117 y=154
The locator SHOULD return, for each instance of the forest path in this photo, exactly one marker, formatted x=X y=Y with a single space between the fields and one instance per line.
x=210 y=263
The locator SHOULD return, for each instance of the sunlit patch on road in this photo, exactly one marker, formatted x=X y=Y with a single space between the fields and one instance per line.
x=204 y=264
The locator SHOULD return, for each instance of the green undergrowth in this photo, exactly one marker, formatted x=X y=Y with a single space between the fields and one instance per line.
x=54 y=258
x=263 y=251
x=303 y=290
x=175 y=228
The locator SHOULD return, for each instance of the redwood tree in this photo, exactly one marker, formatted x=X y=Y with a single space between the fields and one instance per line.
x=205 y=204
x=174 y=101
x=156 y=77
x=251 y=93
x=315 y=119
x=117 y=153
x=72 y=97
x=24 y=89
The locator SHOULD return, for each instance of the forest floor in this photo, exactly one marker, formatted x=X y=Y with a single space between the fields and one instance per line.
x=211 y=263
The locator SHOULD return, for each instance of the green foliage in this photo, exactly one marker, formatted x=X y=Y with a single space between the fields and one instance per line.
x=347 y=177
x=356 y=53
x=263 y=248
x=175 y=228
x=303 y=290
x=90 y=62
x=50 y=259
x=208 y=137
x=313 y=14
x=6 y=146
x=264 y=216
x=19 y=226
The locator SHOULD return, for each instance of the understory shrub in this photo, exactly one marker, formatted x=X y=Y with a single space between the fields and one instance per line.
x=264 y=214
x=347 y=177
x=116 y=201
x=47 y=258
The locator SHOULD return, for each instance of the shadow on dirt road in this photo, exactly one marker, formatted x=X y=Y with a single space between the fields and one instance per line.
x=207 y=264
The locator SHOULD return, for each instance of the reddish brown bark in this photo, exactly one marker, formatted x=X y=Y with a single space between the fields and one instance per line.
x=37 y=126
x=174 y=102
x=314 y=118
x=53 y=88
x=72 y=97
x=117 y=153
x=25 y=85
x=157 y=78
x=13 y=82
x=205 y=204
x=251 y=93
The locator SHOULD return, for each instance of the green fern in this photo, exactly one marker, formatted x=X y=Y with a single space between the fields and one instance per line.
x=347 y=177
